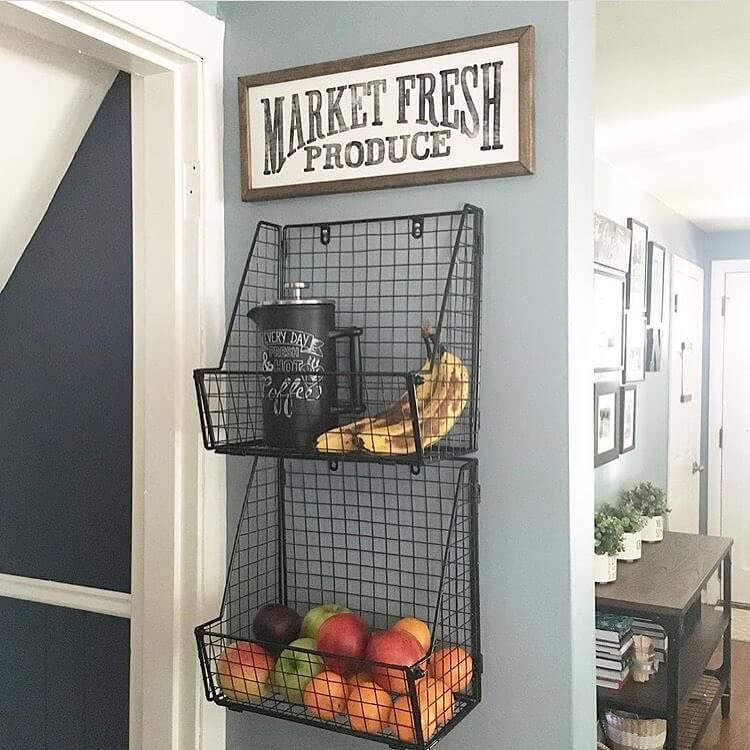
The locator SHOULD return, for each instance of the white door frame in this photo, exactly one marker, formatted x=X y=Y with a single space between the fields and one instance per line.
x=689 y=268
x=719 y=269
x=174 y=53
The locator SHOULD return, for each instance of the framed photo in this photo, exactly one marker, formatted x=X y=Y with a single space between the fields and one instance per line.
x=635 y=347
x=606 y=422
x=462 y=109
x=655 y=309
x=611 y=244
x=627 y=418
x=609 y=312
x=637 y=268
x=653 y=349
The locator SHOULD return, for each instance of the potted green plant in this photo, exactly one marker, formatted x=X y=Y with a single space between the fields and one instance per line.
x=633 y=522
x=652 y=502
x=608 y=538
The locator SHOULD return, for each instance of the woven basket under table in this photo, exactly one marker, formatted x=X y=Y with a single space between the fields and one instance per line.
x=628 y=732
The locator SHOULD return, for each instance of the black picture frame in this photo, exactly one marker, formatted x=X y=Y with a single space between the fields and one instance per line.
x=655 y=284
x=653 y=349
x=611 y=244
x=606 y=399
x=427 y=57
x=616 y=282
x=627 y=439
x=635 y=347
x=636 y=291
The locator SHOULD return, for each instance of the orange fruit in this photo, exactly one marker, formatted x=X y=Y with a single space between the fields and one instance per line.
x=356 y=679
x=454 y=667
x=417 y=628
x=436 y=695
x=243 y=670
x=369 y=708
x=325 y=695
x=402 y=720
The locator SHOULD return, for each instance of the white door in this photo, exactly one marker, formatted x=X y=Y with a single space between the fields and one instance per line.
x=685 y=378
x=735 y=454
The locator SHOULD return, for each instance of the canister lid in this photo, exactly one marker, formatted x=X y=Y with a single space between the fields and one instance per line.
x=293 y=296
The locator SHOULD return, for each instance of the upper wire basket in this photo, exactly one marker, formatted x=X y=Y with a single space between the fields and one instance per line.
x=412 y=285
x=381 y=543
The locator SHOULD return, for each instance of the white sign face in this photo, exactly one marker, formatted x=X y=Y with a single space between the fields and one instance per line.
x=449 y=111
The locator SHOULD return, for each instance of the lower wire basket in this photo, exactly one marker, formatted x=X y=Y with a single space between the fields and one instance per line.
x=361 y=548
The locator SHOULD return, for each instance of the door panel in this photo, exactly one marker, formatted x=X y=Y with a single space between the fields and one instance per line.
x=65 y=678
x=735 y=486
x=685 y=379
x=66 y=375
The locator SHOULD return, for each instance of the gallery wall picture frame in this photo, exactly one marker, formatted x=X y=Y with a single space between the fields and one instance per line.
x=611 y=244
x=606 y=422
x=627 y=418
x=609 y=320
x=461 y=109
x=653 y=349
x=655 y=286
x=636 y=291
x=635 y=347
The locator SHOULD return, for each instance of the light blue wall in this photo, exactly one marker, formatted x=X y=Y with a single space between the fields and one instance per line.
x=618 y=198
x=206 y=6
x=727 y=246
x=525 y=512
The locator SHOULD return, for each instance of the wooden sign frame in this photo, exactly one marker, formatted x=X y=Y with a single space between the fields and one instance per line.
x=524 y=37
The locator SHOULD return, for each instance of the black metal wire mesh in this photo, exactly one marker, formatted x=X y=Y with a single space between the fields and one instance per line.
x=396 y=278
x=697 y=711
x=381 y=542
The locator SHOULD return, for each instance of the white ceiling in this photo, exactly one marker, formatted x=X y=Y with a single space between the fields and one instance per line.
x=673 y=103
x=49 y=98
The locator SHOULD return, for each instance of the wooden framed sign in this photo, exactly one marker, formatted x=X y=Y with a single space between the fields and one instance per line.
x=456 y=110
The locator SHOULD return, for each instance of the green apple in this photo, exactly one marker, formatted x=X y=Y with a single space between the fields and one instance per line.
x=294 y=669
x=317 y=616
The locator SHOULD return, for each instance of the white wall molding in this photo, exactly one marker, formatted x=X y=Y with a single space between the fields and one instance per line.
x=100 y=601
x=580 y=441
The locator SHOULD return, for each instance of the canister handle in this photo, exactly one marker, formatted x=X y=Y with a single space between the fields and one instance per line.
x=356 y=405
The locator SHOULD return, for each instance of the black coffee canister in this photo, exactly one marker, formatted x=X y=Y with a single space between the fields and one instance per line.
x=298 y=349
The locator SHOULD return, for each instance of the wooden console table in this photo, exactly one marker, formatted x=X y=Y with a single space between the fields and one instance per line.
x=665 y=586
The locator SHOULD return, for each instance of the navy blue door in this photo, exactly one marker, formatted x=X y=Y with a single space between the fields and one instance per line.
x=66 y=450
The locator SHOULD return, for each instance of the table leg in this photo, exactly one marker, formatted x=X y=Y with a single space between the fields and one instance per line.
x=726 y=667
x=674 y=635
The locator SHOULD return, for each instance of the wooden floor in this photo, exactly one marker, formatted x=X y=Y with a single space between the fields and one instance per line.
x=733 y=733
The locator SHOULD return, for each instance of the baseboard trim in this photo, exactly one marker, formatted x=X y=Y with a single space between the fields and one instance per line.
x=100 y=601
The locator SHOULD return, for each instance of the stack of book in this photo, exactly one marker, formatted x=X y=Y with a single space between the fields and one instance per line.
x=658 y=639
x=614 y=643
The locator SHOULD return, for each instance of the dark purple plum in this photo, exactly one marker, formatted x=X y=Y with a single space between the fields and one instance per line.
x=277 y=623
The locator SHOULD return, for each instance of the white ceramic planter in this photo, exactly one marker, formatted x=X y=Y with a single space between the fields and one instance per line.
x=653 y=531
x=605 y=568
x=631 y=547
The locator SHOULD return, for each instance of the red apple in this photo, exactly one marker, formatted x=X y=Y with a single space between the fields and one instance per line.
x=343 y=635
x=243 y=670
x=395 y=647
x=317 y=616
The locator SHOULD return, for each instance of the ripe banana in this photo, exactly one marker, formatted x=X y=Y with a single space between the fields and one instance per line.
x=437 y=416
x=345 y=439
x=441 y=397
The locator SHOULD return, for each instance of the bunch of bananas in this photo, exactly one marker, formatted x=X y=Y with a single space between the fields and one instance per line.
x=441 y=396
